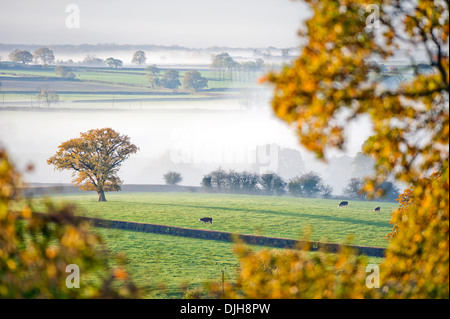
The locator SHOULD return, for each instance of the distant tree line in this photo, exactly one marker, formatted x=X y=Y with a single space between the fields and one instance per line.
x=170 y=79
x=354 y=190
x=113 y=63
x=43 y=55
x=223 y=64
x=308 y=185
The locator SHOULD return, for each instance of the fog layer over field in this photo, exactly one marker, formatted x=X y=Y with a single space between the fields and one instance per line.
x=192 y=142
x=159 y=55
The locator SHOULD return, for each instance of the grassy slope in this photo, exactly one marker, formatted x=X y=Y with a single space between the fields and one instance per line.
x=161 y=264
x=284 y=217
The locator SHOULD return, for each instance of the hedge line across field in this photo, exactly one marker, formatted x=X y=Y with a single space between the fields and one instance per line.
x=229 y=237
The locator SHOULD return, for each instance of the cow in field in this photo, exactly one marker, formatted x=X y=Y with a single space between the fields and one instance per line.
x=343 y=204
x=377 y=209
x=205 y=220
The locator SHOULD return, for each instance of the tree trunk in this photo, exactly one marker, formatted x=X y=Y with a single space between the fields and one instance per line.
x=101 y=196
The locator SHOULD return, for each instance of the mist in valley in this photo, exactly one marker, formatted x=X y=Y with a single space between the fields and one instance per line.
x=234 y=131
x=192 y=142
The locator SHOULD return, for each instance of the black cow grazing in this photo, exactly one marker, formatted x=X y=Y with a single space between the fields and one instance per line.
x=343 y=204
x=205 y=220
x=377 y=209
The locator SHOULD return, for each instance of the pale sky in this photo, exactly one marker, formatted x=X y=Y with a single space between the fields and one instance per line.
x=193 y=23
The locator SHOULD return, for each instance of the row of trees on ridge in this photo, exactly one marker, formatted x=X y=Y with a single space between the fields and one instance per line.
x=310 y=184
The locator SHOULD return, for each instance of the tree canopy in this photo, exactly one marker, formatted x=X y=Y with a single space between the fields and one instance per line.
x=47 y=96
x=64 y=72
x=92 y=60
x=21 y=56
x=172 y=178
x=36 y=249
x=231 y=181
x=152 y=76
x=272 y=183
x=153 y=69
x=309 y=185
x=44 y=55
x=95 y=157
x=332 y=77
x=329 y=86
x=354 y=188
x=193 y=80
x=170 y=79
x=111 y=62
x=139 y=57
x=224 y=61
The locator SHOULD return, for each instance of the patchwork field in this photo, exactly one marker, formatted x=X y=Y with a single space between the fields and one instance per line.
x=117 y=87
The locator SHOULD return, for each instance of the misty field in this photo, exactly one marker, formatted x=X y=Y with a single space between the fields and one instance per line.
x=96 y=85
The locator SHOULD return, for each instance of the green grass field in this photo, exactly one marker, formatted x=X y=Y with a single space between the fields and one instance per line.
x=135 y=77
x=26 y=97
x=161 y=264
x=285 y=217
x=107 y=88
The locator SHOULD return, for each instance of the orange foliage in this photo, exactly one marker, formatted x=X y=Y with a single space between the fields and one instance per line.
x=95 y=157
x=332 y=84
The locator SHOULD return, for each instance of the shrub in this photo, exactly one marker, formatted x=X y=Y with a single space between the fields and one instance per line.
x=308 y=185
x=172 y=178
x=64 y=72
x=272 y=183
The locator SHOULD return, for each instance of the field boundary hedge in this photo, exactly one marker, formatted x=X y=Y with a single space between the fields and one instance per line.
x=230 y=237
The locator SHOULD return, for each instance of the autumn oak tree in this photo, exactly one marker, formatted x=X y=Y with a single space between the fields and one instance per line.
x=95 y=157
x=37 y=247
